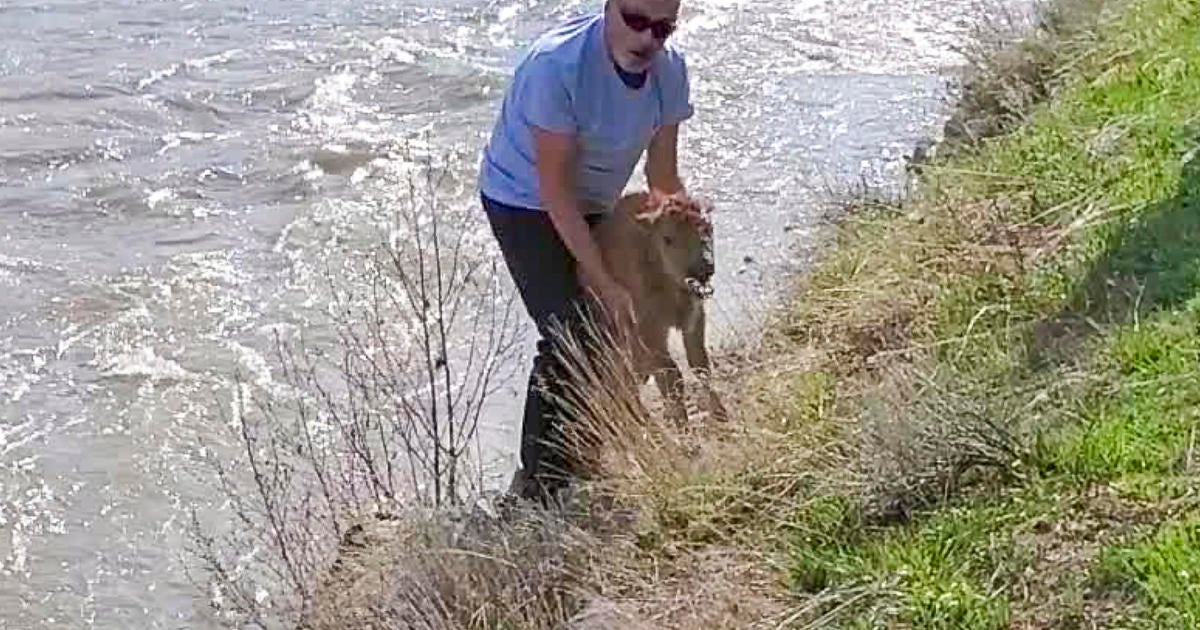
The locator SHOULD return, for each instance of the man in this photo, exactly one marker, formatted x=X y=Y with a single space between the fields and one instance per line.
x=587 y=100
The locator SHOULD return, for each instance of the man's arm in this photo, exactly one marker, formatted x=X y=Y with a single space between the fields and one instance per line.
x=556 y=155
x=662 y=161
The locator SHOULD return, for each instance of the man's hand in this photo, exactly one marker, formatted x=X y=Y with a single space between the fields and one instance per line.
x=618 y=305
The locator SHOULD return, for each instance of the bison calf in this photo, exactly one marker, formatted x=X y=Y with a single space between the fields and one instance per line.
x=660 y=249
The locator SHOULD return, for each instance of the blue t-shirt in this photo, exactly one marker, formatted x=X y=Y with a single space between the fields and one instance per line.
x=567 y=83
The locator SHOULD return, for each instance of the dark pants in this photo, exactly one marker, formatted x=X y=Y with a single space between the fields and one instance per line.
x=544 y=272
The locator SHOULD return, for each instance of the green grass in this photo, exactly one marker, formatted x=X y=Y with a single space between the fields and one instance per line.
x=1163 y=572
x=1059 y=263
x=1144 y=419
x=947 y=571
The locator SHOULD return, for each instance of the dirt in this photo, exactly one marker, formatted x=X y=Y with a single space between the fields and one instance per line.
x=1057 y=589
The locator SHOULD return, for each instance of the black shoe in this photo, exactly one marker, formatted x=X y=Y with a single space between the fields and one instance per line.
x=523 y=486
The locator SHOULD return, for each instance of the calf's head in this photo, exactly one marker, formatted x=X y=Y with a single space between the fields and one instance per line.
x=680 y=230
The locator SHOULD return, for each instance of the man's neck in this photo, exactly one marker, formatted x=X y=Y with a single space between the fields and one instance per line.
x=632 y=80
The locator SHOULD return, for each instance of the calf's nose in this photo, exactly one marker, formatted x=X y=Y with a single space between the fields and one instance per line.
x=702 y=270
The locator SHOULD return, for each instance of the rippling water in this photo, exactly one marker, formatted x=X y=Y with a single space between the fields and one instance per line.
x=174 y=176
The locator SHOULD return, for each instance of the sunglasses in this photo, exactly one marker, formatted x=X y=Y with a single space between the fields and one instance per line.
x=661 y=29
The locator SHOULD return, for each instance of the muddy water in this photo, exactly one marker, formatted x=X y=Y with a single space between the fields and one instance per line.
x=175 y=175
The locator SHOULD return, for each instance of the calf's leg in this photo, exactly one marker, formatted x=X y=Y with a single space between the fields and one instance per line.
x=697 y=356
x=666 y=373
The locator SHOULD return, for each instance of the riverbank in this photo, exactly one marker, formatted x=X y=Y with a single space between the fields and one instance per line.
x=1017 y=345
x=1000 y=372
x=977 y=411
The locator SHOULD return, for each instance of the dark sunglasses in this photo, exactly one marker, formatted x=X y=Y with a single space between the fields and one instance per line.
x=661 y=29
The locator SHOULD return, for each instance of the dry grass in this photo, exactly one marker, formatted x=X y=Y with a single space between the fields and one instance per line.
x=883 y=295
x=649 y=537
x=529 y=570
x=717 y=587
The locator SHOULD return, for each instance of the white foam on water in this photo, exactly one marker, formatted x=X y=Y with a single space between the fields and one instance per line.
x=158 y=75
x=283 y=45
x=256 y=364
x=16 y=436
x=175 y=140
x=19 y=392
x=333 y=92
x=508 y=12
x=156 y=197
x=143 y=361
x=308 y=171
x=23 y=369
x=204 y=63
x=20 y=551
x=333 y=112
x=24 y=265
x=30 y=511
x=394 y=49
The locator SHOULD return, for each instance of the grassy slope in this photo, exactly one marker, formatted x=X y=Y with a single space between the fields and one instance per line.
x=1057 y=267
x=999 y=430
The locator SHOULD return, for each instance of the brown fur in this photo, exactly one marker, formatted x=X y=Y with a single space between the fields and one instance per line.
x=652 y=246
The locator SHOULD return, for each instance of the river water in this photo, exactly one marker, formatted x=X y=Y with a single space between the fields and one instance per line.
x=172 y=173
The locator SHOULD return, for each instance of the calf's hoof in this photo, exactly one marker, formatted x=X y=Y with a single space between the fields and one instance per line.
x=716 y=408
x=677 y=414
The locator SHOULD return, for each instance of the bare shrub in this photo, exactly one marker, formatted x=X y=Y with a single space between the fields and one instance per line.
x=385 y=420
x=924 y=432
